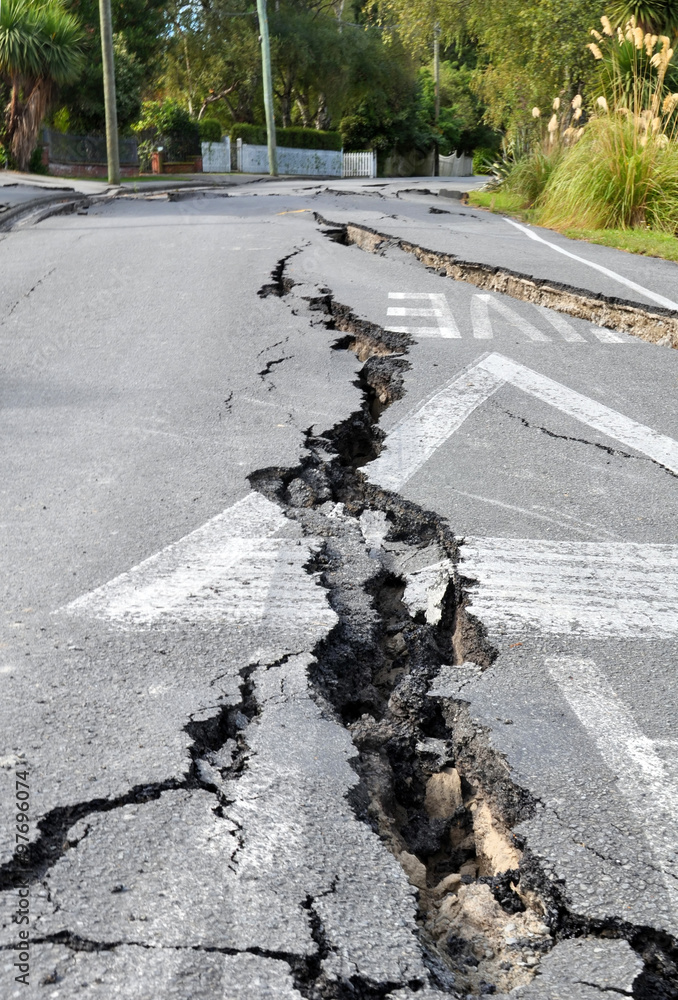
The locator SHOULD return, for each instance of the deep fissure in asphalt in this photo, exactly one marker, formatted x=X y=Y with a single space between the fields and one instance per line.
x=652 y=323
x=373 y=673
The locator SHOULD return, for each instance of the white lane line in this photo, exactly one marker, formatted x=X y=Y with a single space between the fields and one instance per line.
x=658 y=447
x=612 y=589
x=480 y=306
x=559 y=323
x=243 y=566
x=405 y=311
x=610 y=337
x=423 y=331
x=661 y=300
x=412 y=442
x=480 y=319
x=643 y=778
x=437 y=307
x=415 y=438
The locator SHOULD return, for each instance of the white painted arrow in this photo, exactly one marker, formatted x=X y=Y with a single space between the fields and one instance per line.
x=419 y=434
x=241 y=567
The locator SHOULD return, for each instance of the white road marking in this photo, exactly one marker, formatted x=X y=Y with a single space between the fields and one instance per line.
x=419 y=434
x=610 y=337
x=658 y=447
x=480 y=319
x=559 y=323
x=437 y=307
x=243 y=566
x=412 y=441
x=482 y=325
x=613 y=589
x=661 y=300
x=643 y=778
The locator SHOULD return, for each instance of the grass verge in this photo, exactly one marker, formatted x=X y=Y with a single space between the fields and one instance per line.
x=640 y=241
x=503 y=202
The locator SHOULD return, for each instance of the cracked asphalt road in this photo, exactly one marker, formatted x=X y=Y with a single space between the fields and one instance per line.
x=340 y=607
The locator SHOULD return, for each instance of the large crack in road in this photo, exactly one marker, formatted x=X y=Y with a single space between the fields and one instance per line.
x=432 y=786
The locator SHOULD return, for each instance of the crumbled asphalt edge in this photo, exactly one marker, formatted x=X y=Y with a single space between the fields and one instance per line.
x=38 y=209
x=373 y=671
x=654 y=324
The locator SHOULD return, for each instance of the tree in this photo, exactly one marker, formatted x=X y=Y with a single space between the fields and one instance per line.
x=658 y=17
x=40 y=49
x=139 y=28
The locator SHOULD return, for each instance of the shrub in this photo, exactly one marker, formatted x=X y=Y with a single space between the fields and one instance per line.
x=483 y=158
x=295 y=138
x=612 y=179
x=210 y=130
x=253 y=134
x=623 y=170
x=528 y=177
x=167 y=124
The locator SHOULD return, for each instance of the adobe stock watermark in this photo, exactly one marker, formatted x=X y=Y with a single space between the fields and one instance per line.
x=22 y=907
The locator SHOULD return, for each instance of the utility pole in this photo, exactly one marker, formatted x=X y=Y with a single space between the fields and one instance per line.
x=268 y=87
x=436 y=77
x=109 y=92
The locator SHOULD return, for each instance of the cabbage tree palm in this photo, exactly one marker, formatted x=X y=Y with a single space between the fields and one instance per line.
x=659 y=17
x=40 y=49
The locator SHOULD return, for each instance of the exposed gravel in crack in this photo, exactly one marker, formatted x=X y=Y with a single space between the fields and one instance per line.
x=431 y=786
x=652 y=323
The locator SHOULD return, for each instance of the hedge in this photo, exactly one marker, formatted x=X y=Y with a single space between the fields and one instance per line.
x=294 y=138
x=210 y=130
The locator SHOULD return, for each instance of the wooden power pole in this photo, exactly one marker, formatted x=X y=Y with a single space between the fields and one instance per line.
x=268 y=87
x=112 y=148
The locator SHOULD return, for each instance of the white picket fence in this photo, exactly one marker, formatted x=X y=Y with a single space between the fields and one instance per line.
x=359 y=164
x=216 y=156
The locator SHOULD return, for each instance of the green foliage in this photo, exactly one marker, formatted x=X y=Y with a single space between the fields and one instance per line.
x=40 y=50
x=139 y=27
x=658 y=17
x=294 y=138
x=35 y=164
x=611 y=179
x=530 y=174
x=210 y=130
x=168 y=124
x=483 y=158
x=254 y=134
x=308 y=138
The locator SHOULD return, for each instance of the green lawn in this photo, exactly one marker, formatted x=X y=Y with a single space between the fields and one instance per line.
x=499 y=201
x=641 y=241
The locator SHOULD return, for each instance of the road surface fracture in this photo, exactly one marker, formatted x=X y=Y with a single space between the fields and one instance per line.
x=431 y=785
x=657 y=324
x=491 y=917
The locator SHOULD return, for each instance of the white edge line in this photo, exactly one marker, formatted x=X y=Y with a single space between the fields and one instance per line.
x=659 y=299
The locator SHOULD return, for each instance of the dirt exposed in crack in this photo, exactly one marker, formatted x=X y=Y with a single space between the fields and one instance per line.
x=652 y=323
x=431 y=786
